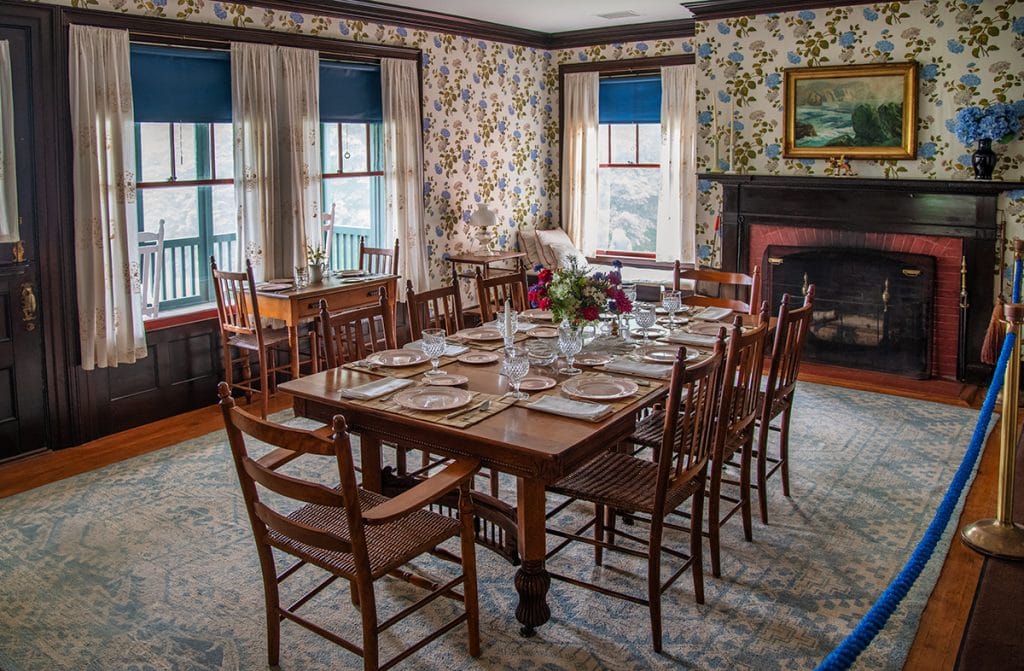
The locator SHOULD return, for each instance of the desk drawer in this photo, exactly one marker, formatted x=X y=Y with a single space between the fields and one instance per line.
x=343 y=298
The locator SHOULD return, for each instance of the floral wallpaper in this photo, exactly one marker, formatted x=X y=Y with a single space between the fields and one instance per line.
x=969 y=52
x=491 y=119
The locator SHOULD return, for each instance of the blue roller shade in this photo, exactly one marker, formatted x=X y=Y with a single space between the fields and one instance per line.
x=178 y=84
x=630 y=99
x=350 y=92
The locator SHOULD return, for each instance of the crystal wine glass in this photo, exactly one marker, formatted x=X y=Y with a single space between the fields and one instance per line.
x=434 y=345
x=515 y=368
x=645 y=318
x=671 y=300
x=541 y=352
x=570 y=341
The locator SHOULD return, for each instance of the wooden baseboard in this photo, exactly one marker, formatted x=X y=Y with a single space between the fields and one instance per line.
x=950 y=392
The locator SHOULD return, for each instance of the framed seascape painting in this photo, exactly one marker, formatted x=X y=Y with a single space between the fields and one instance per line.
x=856 y=111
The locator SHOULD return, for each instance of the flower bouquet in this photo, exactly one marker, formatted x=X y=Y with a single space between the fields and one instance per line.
x=574 y=296
x=316 y=258
x=1000 y=122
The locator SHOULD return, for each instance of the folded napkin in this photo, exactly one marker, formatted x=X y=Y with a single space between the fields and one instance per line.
x=713 y=314
x=451 y=349
x=656 y=370
x=556 y=405
x=693 y=339
x=377 y=388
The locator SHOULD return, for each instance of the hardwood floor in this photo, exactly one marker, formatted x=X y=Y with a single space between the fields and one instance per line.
x=938 y=638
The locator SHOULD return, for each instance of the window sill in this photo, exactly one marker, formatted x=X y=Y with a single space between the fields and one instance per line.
x=632 y=262
x=188 y=315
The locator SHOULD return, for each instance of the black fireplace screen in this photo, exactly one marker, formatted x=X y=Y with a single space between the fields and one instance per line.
x=872 y=309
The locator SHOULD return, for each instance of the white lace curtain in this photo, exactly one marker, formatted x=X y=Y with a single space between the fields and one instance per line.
x=8 y=178
x=276 y=117
x=106 y=247
x=677 y=201
x=579 y=160
x=403 y=168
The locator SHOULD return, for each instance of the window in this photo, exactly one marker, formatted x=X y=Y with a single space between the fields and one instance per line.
x=629 y=174
x=353 y=175
x=185 y=165
x=186 y=180
x=352 y=153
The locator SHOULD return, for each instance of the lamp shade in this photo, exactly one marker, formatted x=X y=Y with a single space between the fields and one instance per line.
x=483 y=217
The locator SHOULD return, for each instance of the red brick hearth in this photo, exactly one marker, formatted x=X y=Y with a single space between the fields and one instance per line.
x=946 y=251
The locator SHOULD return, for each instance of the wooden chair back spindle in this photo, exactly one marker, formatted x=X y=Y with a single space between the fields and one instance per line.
x=751 y=282
x=378 y=260
x=351 y=335
x=493 y=291
x=437 y=308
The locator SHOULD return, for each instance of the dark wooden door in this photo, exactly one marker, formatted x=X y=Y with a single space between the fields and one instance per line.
x=23 y=405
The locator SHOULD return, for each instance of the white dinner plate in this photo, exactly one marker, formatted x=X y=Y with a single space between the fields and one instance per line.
x=592 y=359
x=481 y=333
x=599 y=388
x=446 y=380
x=537 y=383
x=543 y=332
x=273 y=286
x=433 y=398
x=537 y=314
x=479 y=357
x=665 y=354
x=397 y=358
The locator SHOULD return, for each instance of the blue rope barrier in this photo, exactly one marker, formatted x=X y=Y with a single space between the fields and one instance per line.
x=1016 y=281
x=843 y=657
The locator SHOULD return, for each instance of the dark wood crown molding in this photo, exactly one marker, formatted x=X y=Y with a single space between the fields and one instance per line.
x=972 y=187
x=627 y=66
x=720 y=9
x=637 y=32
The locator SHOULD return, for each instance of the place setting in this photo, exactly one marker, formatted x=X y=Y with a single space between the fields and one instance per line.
x=588 y=396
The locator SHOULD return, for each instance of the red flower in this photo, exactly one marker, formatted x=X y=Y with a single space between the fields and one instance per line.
x=544 y=276
x=611 y=292
x=544 y=303
x=590 y=313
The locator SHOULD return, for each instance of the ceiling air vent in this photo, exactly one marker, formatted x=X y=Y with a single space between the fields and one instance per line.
x=619 y=15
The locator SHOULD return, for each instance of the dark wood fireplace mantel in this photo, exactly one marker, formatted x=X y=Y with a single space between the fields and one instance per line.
x=966 y=210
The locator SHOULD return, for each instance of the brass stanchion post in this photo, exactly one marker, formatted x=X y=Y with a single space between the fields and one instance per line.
x=1000 y=537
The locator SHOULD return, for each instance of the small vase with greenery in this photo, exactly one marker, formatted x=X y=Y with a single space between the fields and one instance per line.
x=316 y=259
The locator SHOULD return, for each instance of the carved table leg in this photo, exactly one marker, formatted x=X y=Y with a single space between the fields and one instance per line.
x=532 y=579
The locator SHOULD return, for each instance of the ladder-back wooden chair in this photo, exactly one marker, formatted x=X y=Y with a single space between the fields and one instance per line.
x=437 y=308
x=493 y=291
x=614 y=481
x=151 y=253
x=351 y=335
x=327 y=224
x=733 y=283
x=350 y=533
x=378 y=260
x=780 y=387
x=741 y=385
x=241 y=328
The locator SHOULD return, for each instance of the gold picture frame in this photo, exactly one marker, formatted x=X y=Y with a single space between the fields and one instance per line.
x=856 y=111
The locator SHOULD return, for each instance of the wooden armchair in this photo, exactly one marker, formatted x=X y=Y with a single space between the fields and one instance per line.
x=741 y=384
x=349 y=533
x=151 y=252
x=437 y=308
x=733 y=281
x=614 y=481
x=777 y=399
x=378 y=260
x=350 y=335
x=242 y=329
x=493 y=291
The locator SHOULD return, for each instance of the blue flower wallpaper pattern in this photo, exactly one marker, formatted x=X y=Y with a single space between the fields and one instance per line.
x=491 y=109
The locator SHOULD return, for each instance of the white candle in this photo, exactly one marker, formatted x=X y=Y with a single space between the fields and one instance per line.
x=509 y=334
x=714 y=119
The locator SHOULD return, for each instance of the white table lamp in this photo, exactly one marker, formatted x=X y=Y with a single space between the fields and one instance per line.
x=482 y=220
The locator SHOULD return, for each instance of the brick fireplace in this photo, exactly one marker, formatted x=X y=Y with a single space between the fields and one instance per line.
x=944 y=309
x=948 y=225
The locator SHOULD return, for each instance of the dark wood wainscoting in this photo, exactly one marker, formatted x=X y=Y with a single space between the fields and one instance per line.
x=179 y=374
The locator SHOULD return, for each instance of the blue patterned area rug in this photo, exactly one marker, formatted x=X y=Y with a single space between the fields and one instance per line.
x=149 y=564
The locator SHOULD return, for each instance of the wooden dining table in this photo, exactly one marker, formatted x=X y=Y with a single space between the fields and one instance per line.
x=536 y=447
x=294 y=306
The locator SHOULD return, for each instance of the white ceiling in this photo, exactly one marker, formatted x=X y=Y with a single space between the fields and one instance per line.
x=553 y=16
